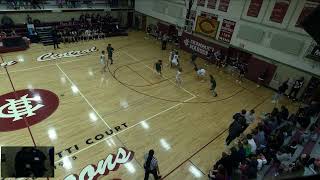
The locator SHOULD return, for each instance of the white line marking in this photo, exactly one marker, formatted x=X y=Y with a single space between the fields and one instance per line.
x=102 y=140
x=135 y=59
x=84 y=97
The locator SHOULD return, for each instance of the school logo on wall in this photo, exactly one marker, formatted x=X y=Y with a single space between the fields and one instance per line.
x=207 y=26
x=110 y=163
x=25 y=108
x=56 y=56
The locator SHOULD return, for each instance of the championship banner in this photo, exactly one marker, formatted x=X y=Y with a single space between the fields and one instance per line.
x=226 y=30
x=206 y=26
x=201 y=2
x=223 y=5
x=211 y=4
x=254 y=8
x=309 y=6
x=279 y=10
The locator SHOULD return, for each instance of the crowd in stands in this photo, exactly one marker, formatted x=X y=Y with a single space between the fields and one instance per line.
x=40 y=4
x=280 y=145
x=88 y=27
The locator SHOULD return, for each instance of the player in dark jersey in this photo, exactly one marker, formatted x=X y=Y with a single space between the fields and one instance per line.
x=158 y=66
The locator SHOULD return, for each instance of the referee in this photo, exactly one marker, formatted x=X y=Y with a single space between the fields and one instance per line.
x=151 y=166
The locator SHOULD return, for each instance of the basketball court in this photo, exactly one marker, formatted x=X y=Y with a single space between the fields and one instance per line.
x=94 y=114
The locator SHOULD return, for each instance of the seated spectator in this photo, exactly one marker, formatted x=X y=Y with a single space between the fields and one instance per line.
x=261 y=161
x=235 y=157
x=284 y=113
x=252 y=144
x=217 y=174
x=292 y=147
x=260 y=138
x=247 y=147
x=226 y=162
x=312 y=167
x=252 y=169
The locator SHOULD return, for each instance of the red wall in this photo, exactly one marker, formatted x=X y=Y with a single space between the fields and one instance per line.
x=256 y=67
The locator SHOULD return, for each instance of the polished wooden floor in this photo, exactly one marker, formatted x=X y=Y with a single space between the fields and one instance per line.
x=185 y=126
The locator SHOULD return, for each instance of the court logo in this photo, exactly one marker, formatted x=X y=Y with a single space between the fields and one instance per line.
x=54 y=56
x=9 y=63
x=26 y=107
x=104 y=166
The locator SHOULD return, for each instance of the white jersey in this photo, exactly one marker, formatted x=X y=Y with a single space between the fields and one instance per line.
x=175 y=60
x=201 y=72
x=178 y=75
x=102 y=59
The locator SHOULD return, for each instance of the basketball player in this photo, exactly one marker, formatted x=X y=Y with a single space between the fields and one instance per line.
x=158 y=67
x=213 y=85
x=178 y=77
x=110 y=52
x=171 y=57
x=200 y=73
x=175 y=60
x=103 y=61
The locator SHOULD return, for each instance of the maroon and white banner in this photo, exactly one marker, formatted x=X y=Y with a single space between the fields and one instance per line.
x=192 y=43
x=226 y=30
x=208 y=15
x=254 y=8
x=309 y=6
x=201 y=2
x=223 y=5
x=279 y=10
x=211 y=4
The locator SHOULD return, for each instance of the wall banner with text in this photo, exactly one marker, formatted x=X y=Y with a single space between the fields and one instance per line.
x=226 y=30
x=254 y=8
x=279 y=10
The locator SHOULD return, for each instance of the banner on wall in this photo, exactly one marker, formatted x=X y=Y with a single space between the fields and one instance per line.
x=279 y=10
x=207 y=26
x=208 y=15
x=226 y=30
x=223 y=5
x=254 y=8
x=192 y=43
x=314 y=54
x=211 y=4
x=201 y=2
x=308 y=7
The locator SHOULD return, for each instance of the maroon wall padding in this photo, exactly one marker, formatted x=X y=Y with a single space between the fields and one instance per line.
x=256 y=67
x=191 y=43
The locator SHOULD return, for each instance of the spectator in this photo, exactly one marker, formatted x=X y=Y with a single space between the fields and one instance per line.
x=260 y=138
x=234 y=131
x=282 y=89
x=250 y=117
x=217 y=174
x=261 y=161
x=296 y=88
x=226 y=162
x=247 y=148
x=252 y=144
x=284 y=113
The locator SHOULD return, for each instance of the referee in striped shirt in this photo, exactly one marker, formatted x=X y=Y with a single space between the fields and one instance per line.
x=151 y=166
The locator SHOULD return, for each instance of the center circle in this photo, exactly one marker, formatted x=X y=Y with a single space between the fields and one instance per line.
x=25 y=108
